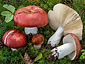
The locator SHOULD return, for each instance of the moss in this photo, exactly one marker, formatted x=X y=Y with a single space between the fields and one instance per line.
x=15 y=57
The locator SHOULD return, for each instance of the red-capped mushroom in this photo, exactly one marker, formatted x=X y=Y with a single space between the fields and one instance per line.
x=14 y=39
x=71 y=47
x=31 y=17
x=37 y=40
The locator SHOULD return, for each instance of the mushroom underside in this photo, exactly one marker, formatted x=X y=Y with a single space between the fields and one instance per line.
x=67 y=18
x=73 y=39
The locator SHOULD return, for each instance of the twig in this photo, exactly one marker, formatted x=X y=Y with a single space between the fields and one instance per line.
x=81 y=13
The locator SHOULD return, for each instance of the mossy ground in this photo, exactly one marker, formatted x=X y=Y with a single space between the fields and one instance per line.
x=13 y=57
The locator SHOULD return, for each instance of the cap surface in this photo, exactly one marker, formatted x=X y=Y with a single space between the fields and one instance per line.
x=31 y=16
x=38 y=39
x=72 y=38
x=14 y=39
x=67 y=18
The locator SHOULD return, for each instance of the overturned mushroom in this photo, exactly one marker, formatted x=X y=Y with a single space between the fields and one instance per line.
x=71 y=47
x=38 y=40
x=31 y=17
x=64 y=20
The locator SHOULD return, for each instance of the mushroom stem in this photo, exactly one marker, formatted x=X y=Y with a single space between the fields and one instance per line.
x=61 y=51
x=55 y=38
x=37 y=46
x=13 y=49
x=32 y=30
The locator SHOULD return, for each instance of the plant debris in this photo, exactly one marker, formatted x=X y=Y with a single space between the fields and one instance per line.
x=27 y=59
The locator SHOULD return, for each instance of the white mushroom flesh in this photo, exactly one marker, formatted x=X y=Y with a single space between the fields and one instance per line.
x=31 y=30
x=67 y=39
x=5 y=40
x=63 y=50
x=55 y=38
x=68 y=48
x=37 y=46
x=13 y=49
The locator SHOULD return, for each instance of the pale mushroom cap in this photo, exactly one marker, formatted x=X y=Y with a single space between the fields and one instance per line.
x=73 y=39
x=67 y=18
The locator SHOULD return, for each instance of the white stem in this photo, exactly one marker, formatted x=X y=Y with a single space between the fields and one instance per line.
x=32 y=30
x=13 y=49
x=63 y=50
x=37 y=46
x=55 y=38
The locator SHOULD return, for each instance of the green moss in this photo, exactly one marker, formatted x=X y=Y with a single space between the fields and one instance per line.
x=11 y=57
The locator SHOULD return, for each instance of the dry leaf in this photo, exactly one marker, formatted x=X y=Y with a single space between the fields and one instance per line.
x=27 y=59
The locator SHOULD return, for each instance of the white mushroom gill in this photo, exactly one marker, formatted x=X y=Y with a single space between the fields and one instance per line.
x=55 y=38
x=66 y=18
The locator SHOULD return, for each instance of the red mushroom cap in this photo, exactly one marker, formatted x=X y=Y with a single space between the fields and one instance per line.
x=31 y=16
x=14 y=39
x=38 y=39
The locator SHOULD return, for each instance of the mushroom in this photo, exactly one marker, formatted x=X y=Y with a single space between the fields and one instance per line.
x=64 y=20
x=71 y=47
x=37 y=40
x=14 y=39
x=31 y=17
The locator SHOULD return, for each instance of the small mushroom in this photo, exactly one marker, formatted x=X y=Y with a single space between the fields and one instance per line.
x=14 y=39
x=64 y=20
x=71 y=47
x=31 y=17
x=37 y=40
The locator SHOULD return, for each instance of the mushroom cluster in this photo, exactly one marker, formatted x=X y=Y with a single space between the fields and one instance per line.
x=64 y=20
x=32 y=17
x=29 y=17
